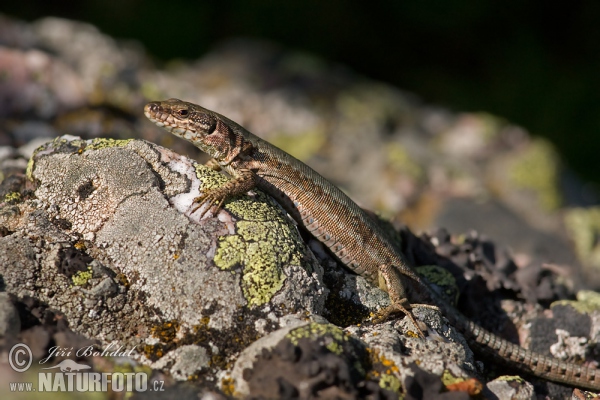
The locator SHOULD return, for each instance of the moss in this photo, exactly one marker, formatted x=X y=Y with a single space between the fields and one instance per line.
x=583 y=226
x=537 y=169
x=81 y=278
x=264 y=242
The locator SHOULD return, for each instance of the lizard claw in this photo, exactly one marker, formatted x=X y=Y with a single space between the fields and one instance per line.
x=213 y=199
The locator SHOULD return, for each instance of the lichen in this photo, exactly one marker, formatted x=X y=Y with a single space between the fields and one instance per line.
x=449 y=379
x=81 y=278
x=441 y=277
x=587 y=302
x=589 y=297
x=314 y=330
x=102 y=143
x=78 y=144
x=264 y=242
x=511 y=378
x=228 y=386
x=384 y=370
x=390 y=382
x=12 y=197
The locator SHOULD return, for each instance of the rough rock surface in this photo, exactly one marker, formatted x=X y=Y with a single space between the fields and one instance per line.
x=105 y=244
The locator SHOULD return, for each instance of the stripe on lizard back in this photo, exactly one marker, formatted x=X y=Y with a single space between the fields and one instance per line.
x=333 y=218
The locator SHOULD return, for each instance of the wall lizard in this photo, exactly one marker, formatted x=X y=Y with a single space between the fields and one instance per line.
x=348 y=231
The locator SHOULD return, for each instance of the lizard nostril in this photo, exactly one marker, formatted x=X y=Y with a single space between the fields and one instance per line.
x=152 y=107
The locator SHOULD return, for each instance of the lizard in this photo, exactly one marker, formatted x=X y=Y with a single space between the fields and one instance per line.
x=352 y=235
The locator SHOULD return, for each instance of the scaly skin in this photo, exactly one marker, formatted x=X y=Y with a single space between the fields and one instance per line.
x=331 y=217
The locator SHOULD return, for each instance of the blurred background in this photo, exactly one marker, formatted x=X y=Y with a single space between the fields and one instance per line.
x=535 y=63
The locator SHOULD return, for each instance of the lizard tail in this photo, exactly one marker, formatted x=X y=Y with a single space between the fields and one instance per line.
x=527 y=361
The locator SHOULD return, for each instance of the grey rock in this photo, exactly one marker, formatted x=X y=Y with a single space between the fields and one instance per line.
x=107 y=242
x=511 y=387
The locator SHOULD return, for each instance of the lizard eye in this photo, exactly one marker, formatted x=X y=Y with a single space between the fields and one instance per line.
x=183 y=113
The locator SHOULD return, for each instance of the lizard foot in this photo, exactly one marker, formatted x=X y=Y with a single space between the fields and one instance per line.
x=384 y=314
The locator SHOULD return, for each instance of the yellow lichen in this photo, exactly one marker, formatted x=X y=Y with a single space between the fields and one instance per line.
x=12 y=197
x=102 y=143
x=315 y=330
x=264 y=242
x=441 y=277
x=82 y=278
x=587 y=302
x=390 y=382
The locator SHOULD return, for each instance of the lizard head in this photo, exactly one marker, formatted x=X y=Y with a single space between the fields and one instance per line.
x=207 y=130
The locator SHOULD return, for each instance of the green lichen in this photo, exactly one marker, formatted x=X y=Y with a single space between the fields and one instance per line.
x=390 y=382
x=265 y=241
x=102 y=143
x=583 y=226
x=81 y=278
x=589 y=297
x=449 y=379
x=511 y=378
x=441 y=277
x=384 y=370
x=12 y=197
x=537 y=169
x=315 y=330
x=31 y=163
x=587 y=302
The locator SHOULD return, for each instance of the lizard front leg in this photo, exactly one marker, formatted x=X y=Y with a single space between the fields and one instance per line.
x=243 y=181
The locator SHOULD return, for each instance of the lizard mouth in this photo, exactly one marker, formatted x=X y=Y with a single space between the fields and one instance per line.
x=163 y=117
x=156 y=113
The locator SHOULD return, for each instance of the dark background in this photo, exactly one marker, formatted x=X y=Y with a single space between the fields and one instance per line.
x=533 y=62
